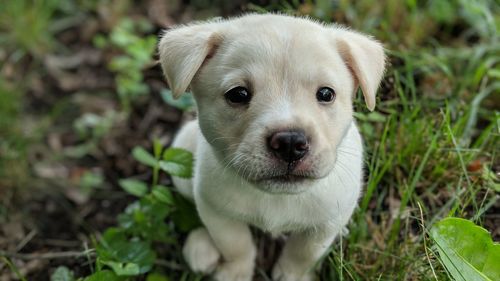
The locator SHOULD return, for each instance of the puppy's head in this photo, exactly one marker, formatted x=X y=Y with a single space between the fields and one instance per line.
x=274 y=93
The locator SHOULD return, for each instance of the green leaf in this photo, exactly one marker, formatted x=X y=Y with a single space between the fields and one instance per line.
x=162 y=194
x=126 y=257
x=467 y=250
x=124 y=269
x=144 y=157
x=103 y=275
x=62 y=273
x=146 y=219
x=134 y=187
x=90 y=180
x=374 y=116
x=178 y=162
x=157 y=148
x=185 y=216
x=184 y=102
x=100 y=41
x=157 y=277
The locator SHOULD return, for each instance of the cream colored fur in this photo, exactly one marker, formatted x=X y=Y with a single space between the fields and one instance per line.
x=283 y=61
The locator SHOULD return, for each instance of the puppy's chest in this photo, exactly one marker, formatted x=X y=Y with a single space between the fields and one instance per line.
x=279 y=220
x=277 y=214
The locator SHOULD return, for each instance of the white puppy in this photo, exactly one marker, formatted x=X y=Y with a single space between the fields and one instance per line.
x=275 y=142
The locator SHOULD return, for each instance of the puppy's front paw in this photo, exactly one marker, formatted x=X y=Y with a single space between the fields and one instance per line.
x=200 y=252
x=235 y=271
x=289 y=273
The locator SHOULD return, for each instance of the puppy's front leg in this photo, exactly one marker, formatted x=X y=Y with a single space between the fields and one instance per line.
x=234 y=241
x=300 y=254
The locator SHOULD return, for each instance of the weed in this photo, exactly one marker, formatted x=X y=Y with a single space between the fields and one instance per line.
x=91 y=128
x=27 y=25
x=13 y=140
x=135 y=54
x=127 y=250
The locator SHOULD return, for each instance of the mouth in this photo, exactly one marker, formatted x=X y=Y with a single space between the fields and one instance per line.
x=284 y=183
x=291 y=175
x=287 y=178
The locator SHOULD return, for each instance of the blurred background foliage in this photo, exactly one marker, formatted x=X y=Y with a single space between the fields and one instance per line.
x=80 y=87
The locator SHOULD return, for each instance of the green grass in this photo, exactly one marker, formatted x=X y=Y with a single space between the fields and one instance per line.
x=27 y=25
x=431 y=145
x=13 y=141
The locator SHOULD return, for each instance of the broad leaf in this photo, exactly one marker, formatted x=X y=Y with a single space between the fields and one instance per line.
x=143 y=156
x=467 y=250
x=146 y=219
x=157 y=277
x=126 y=257
x=162 y=194
x=184 y=102
x=177 y=162
x=134 y=187
x=185 y=216
x=124 y=269
x=62 y=273
x=103 y=275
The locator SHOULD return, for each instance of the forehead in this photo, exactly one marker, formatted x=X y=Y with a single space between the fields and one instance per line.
x=283 y=49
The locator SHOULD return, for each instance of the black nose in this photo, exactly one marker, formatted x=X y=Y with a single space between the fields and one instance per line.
x=288 y=145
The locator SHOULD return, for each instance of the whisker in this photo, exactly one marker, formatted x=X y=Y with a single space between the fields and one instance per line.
x=349 y=153
x=346 y=171
x=223 y=138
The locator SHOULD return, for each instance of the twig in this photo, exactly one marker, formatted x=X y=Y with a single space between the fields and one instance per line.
x=26 y=240
x=49 y=256
x=88 y=251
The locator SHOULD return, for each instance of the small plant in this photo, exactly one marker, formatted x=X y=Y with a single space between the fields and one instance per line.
x=91 y=128
x=127 y=250
x=135 y=54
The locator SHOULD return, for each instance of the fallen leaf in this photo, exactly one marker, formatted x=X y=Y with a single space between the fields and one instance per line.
x=475 y=166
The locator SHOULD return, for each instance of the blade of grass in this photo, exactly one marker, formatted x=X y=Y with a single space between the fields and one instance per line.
x=455 y=144
x=13 y=268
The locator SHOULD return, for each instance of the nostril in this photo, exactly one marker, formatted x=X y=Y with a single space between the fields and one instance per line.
x=301 y=146
x=300 y=142
x=275 y=142
x=289 y=145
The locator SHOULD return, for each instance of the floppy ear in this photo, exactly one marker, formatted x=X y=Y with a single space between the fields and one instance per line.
x=183 y=51
x=366 y=60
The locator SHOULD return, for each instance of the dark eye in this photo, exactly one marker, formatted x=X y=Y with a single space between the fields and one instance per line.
x=238 y=96
x=325 y=95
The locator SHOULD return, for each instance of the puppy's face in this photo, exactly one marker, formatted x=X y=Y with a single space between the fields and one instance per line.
x=275 y=106
x=274 y=93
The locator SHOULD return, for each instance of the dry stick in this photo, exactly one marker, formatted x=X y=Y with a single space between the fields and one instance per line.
x=87 y=250
x=26 y=240
x=54 y=255
x=425 y=244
